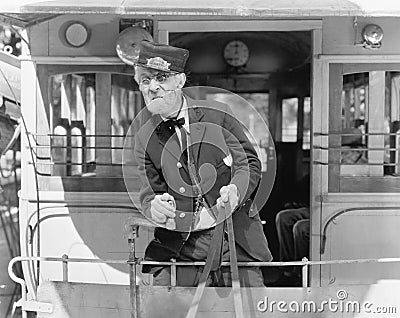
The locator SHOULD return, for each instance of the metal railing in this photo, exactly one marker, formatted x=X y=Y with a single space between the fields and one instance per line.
x=34 y=305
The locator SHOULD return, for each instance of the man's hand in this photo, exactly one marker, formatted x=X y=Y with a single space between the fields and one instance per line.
x=161 y=209
x=229 y=194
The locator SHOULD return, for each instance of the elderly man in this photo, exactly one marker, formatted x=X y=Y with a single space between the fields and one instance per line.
x=194 y=160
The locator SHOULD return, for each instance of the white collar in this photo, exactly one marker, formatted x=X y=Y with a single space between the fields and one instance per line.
x=184 y=113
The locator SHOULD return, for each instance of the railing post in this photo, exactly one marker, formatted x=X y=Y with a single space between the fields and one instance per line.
x=134 y=233
x=65 y=268
x=304 y=272
x=173 y=272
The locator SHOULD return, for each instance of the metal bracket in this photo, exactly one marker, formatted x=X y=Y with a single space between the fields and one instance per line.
x=37 y=306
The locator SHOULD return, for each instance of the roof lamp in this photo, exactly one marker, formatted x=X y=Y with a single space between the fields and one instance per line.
x=372 y=35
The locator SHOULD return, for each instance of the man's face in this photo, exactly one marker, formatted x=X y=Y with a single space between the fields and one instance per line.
x=160 y=90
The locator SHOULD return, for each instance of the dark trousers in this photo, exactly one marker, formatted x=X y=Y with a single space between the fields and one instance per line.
x=196 y=248
x=293 y=227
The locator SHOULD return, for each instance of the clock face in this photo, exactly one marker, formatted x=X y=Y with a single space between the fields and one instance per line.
x=236 y=53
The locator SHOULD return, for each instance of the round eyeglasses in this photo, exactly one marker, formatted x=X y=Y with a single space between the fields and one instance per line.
x=160 y=78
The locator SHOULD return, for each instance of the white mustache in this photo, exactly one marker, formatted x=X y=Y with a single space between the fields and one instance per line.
x=170 y=91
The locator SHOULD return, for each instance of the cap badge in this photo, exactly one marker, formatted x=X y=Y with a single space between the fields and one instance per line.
x=158 y=63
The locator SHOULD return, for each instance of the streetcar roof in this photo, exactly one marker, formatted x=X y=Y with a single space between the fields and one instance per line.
x=30 y=11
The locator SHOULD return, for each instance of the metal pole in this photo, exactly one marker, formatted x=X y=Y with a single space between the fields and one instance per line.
x=19 y=281
x=65 y=268
x=132 y=270
x=305 y=271
x=173 y=272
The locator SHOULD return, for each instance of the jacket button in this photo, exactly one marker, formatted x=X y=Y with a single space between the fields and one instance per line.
x=179 y=165
x=182 y=215
x=182 y=190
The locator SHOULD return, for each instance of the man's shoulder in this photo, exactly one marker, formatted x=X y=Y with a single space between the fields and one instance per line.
x=210 y=107
x=146 y=129
x=209 y=104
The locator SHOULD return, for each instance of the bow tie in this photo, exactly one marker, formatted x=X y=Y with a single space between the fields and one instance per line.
x=171 y=123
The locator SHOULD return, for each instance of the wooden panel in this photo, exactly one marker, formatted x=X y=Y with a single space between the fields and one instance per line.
x=378 y=184
x=61 y=69
x=39 y=39
x=28 y=110
x=300 y=128
x=351 y=237
x=163 y=36
x=88 y=300
x=318 y=107
x=335 y=124
x=28 y=95
x=263 y=302
x=339 y=35
x=232 y=26
x=44 y=120
x=103 y=33
x=88 y=184
x=103 y=122
x=395 y=98
x=85 y=300
x=350 y=68
x=376 y=120
x=66 y=100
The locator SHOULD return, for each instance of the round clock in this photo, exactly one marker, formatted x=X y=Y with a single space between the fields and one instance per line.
x=236 y=53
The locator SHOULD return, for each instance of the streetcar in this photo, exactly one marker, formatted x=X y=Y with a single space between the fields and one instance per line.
x=313 y=70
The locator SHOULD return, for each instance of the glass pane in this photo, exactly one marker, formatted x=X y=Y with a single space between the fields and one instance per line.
x=91 y=113
x=289 y=119
x=378 y=125
x=354 y=99
x=364 y=135
x=354 y=117
x=392 y=122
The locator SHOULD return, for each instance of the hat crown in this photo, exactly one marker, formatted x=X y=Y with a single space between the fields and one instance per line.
x=162 y=57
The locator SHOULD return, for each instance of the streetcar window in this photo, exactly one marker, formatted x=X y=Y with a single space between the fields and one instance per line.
x=296 y=118
x=289 y=119
x=90 y=116
x=364 y=152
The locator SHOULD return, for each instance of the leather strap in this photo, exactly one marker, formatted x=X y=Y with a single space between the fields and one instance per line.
x=218 y=235
x=214 y=249
x=237 y=297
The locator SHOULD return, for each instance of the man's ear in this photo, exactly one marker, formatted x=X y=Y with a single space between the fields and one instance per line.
x=181 y=80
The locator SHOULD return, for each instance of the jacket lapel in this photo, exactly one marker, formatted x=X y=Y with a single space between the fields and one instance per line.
x=164 y=137
x=197 y=129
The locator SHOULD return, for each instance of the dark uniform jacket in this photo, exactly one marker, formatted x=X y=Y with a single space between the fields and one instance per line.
x=214 y=133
